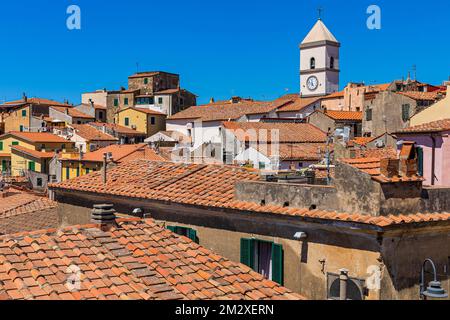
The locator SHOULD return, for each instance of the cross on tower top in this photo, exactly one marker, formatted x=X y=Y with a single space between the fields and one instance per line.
x=320 y=11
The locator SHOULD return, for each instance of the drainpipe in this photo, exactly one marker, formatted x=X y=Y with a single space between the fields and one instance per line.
x=433 y=159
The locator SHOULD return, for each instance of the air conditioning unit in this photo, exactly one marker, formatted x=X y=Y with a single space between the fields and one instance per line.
x=133 y=127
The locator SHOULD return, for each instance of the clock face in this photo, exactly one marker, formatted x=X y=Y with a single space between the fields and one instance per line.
x=312 y=83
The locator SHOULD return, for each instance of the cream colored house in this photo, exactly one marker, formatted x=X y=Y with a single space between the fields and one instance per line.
x=438 y=111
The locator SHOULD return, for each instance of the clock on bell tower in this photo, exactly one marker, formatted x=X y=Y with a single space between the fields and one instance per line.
x=319 y=62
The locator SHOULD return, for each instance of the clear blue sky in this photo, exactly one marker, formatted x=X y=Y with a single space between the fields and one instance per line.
x=220 y=48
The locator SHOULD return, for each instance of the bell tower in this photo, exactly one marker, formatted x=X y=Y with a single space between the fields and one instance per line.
x=319 y=62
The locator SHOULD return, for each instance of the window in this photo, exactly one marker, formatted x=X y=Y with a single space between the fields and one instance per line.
x=183 y=231
x=300 y=164
x=125 y=101
x=4 y=166
x=145 y=80
x=67 y=173
x=263 y=257
x=127 y=121
x=160 y=100
x=78 y=171
x=21 y=128
x=145 y=100
x=152 y=120
x=405 y=112
x=355 y=288
x=42 y=146
x=24 y=113
x=31 y=166
x=78 y=122
x=332 y=62
x=262 y=165
x=116 y=102
x=369 y=114
x=313 y=63
x=1 y=145
x=39 y=182
x=100 y=114
x=15 y=143
x=88 y=170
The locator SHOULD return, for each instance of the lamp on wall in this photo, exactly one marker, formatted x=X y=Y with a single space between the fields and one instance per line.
x=434 y=289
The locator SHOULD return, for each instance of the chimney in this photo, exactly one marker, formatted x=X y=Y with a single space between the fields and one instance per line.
x=389 y=167
x=104 y=128
x=91 y=102
x=25 y=98
x=66 y=111
x=104 y=169
x=212 y=100
x=104 y=215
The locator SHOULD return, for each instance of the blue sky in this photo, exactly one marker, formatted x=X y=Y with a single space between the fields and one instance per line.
x=220 y=48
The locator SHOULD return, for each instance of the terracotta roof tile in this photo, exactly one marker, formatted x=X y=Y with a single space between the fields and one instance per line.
x=117 y=128
x=34 y=153
x=205 y=185
x=90 y=133
x=119 y=266
x=417 y=95
x=297 y=104
x=344 y=115
x=37 y=137
x=283 y=132
x=74 y=113
x=434 y=126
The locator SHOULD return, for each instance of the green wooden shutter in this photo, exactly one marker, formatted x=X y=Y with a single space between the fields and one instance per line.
x=31 y=166
x=420 y=161
x=1 y=145
x=172 y=228
x=78 y=171
x=15 y=143
x=192 y=235
x=67 y=173
x=3 y=165
x=247 y=252
x=88 y=170
x=277 y=263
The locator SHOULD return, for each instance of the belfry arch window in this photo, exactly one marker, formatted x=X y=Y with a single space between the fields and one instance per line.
x=332 y=62
x=313 y=63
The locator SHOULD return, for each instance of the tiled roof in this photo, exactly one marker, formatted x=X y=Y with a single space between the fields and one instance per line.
x=117 y=128
x=168 y=91
x=37 y=137
x=287 y=132
x=124 y=152
x=380 y=153
x=34 y=153
x=135 y=260
x=339 y=94
x=416 y=95
x=298 y=104
x=74 y=113
x=149 y=74
x=344 y=115
x=226 y=111
x=22 y=211
x=371 y=166
x=210 y=186
x=434 y=126
x=298 y=151
x=36 y=101
x=362 y=140
x=90 y=133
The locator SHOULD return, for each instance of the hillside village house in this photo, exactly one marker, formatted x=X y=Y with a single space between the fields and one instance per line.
x=30 y=153
x=75 y=164
x=87 y=138
x=438 y=111
x=28 y=114
x=158 y=91
x=142 y=120
x=347 y=124
x=432 y=144
x=273 y=146
x=374 y=218
x=94 y=110
x=124 y=134
x=70 y=115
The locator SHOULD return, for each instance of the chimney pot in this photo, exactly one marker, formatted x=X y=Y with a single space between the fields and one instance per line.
x=389 y=167
x=105 y=215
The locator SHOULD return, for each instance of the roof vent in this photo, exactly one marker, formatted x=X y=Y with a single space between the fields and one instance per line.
x=104 y=215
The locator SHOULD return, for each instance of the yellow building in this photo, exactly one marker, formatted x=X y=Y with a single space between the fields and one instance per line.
x=30 y=151
x=143 y=120
x=72 y=165
x=438 y=111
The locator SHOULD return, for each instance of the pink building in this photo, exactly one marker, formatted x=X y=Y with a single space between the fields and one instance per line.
x=432 y=142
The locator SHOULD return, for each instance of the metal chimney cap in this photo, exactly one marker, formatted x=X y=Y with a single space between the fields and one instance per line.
x=103 y=214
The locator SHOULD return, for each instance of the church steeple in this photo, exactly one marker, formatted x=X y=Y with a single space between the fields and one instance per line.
x=319 y=62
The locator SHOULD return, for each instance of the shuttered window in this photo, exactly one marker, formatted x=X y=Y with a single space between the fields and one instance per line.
x=264 y=257
x=1 y=145
x=116 y=102
x=183 y=231
x=405 y=112
x=420 y=161
x=369 y=115
x=127 y=121
x=67 y=173
x=31 y=166
x=15 y=143
x=24 y=113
